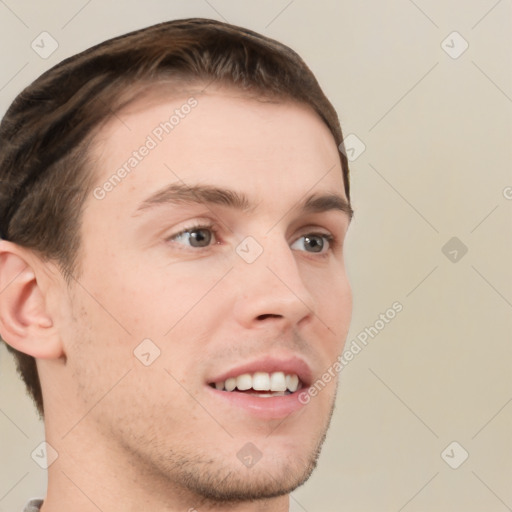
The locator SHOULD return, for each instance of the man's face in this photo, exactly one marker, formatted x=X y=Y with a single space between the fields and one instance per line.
x=234 y=267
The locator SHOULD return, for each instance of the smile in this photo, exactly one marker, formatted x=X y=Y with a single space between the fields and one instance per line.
x=261 y=384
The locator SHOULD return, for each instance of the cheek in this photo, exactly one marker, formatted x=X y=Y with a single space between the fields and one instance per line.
x=148 y=298
x=333 y=299
x=172 y=303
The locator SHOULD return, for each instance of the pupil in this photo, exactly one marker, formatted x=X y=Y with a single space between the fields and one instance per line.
x=200 y=238
x=315 y=243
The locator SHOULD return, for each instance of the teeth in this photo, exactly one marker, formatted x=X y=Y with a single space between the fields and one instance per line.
x=230 y=384
x=269 y=395
x=261 y=381
x=278 y=383
x=244 y=382
x=292 y=382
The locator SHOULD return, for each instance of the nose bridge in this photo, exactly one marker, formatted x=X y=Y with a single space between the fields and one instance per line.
x=271 y=284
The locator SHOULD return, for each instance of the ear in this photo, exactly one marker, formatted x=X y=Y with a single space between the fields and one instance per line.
x=25 y=322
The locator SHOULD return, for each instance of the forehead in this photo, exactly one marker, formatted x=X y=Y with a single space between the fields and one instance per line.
x=219 y=136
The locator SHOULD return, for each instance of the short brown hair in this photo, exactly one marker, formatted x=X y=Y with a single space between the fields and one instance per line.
x=45 y=134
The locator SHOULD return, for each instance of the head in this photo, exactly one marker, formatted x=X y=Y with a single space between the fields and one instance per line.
x=173 y=207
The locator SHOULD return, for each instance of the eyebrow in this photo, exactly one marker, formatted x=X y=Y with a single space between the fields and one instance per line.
x=326 y=202
x=206 y=194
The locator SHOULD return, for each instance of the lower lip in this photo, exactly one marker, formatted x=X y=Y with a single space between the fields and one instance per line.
x=275 y=407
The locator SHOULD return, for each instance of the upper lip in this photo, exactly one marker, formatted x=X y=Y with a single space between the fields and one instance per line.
x=269 y=364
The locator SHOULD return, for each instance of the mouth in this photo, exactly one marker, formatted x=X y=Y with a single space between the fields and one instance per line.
x=267 y=388
x=261 y=384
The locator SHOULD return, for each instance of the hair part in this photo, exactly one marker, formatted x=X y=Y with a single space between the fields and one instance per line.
x=46 y=134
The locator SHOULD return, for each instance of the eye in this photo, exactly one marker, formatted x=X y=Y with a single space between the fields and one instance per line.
x=316 y=243
x=200 y=236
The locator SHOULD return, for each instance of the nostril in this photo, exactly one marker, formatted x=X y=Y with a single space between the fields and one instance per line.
x=264 y=317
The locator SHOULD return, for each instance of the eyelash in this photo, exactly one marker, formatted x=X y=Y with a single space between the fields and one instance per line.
x=331 y=239
x=197 y=227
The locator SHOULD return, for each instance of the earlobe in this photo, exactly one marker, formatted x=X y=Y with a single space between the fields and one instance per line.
x=25 y=322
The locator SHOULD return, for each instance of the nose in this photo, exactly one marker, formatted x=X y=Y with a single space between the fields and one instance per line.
x=272 y=290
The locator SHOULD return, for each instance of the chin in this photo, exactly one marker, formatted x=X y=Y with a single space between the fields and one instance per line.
x=216 y=481
x=242 y=484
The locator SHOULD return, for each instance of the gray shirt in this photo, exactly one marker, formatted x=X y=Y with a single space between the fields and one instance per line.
x=33 y=505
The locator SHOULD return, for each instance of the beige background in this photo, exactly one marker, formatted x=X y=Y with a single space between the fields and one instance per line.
x=437 y=164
